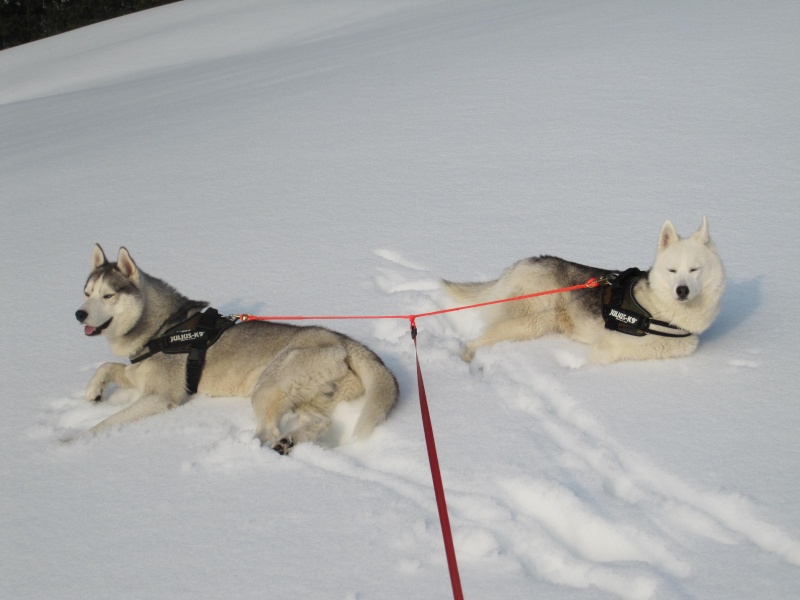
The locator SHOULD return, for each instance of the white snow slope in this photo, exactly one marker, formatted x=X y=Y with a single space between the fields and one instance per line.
x=311 y=157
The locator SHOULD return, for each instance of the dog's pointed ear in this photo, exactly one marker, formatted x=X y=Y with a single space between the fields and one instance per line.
x=668 y=236
x=98 y=257
x=126 y=265
x=702 y=234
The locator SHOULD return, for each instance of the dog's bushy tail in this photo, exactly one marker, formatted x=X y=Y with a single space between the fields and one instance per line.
x=380 y=388
x=468 y=293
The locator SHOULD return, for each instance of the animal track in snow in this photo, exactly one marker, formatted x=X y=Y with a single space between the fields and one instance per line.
x=398 y=259
x=752 y=364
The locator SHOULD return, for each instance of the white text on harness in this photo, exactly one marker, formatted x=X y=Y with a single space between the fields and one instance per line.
x=622 y=317
x=186 y=337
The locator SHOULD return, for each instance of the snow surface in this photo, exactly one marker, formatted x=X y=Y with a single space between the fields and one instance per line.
x=311 y=157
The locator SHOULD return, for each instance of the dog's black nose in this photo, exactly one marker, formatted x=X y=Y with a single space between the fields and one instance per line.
x=81 y=315
x=682 y=291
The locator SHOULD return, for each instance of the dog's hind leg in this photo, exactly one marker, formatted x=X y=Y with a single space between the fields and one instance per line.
x=515 y=329
x=312 y=422
x=301 y=380
x=314 y=413
x=270 y=404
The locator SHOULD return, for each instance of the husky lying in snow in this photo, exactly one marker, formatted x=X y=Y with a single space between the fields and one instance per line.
x=285 y=369
x=678 y=298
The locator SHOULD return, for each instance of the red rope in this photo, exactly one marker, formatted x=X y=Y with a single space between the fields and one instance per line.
x=436 y=475
x=427 y=426
x=591 y=283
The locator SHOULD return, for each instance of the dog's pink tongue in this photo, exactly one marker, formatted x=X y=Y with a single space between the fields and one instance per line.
x=88 y=330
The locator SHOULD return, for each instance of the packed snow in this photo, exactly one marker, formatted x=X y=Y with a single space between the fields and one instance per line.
x=312 y=157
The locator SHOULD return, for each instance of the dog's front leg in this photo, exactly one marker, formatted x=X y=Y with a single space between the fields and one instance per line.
x=146 y=406
x=105 y=374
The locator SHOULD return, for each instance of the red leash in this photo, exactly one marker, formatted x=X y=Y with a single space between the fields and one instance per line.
x=591 y=283
x=438 y=486
x=427 y=426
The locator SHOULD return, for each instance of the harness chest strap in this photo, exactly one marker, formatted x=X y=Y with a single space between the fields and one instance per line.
x=192 y=337
x=621 y=312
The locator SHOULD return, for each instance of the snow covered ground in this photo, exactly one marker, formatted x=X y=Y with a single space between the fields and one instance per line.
x=337 y=157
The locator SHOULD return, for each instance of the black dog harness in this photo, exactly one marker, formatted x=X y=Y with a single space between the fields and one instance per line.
x=193 y=336
x=621 y=311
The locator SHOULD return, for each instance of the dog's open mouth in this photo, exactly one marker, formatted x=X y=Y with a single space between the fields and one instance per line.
x=89 y=330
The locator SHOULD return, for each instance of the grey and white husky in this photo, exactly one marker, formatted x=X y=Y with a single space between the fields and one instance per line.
x=680 y=297
x=293 y=375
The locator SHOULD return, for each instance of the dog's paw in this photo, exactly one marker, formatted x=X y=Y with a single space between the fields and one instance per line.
x=104 y=374
x=283 y=445
x=569 y=360
x=94 y=390
x=467 y=353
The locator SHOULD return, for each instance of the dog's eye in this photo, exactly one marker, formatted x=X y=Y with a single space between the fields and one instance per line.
x=694 y=270
x=672 y=270
x=86 y=294
x=107 y=296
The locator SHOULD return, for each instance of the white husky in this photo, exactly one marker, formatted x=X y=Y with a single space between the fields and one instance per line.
x=292 y=374
x=655 y=314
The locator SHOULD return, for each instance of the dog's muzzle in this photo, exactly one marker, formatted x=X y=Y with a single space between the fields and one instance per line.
x=88 y=329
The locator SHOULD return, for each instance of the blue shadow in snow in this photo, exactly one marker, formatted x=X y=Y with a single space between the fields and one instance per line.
x=739 y=302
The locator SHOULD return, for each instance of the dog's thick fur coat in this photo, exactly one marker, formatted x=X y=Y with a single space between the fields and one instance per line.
x=286 y=370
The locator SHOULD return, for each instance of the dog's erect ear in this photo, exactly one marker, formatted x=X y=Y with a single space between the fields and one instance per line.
x=98 y=257
x=667 y=237
x=126 y=265
x=702 y=234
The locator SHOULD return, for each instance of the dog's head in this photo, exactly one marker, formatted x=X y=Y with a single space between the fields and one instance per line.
x=113 y=299
x=686 y=269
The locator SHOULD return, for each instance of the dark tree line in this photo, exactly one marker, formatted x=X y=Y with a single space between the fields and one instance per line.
x=23 y=21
